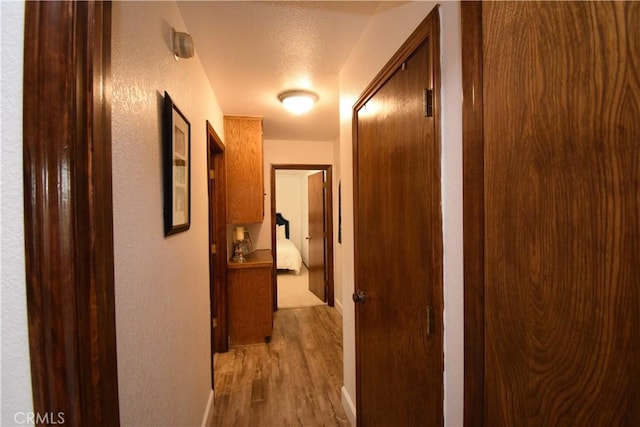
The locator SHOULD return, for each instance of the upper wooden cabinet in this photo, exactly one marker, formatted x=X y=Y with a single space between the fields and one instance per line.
x=245 y=179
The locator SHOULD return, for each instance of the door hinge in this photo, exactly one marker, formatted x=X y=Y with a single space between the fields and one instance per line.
x=214 y=249
x=428 y=102
x=212 y=174
x=214 y=322
x=429 y=320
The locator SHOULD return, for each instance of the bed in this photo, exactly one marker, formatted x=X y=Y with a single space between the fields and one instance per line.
x=288 y=256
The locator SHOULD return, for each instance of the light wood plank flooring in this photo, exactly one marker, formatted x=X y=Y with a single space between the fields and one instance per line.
x=293 y=381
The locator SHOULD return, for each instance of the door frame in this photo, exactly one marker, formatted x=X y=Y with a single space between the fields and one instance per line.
x=473 y=212
x=217 y=207
x=328 y=215
x=68 y=211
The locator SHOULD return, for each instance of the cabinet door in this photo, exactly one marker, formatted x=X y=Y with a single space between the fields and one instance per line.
x=245 y=188
x=250 y=315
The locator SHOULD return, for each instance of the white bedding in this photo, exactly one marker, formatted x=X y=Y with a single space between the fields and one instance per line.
x=288 y=256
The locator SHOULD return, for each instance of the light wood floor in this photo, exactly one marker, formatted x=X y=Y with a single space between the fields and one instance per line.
x=293 y=381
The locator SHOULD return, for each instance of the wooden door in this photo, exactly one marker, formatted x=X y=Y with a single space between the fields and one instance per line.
x=317 y=235
x=398 y=241
x=561 y=206
x=217 y=242
x=250 y=287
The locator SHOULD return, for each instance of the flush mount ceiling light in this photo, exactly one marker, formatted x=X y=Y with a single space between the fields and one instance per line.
x=298 y=101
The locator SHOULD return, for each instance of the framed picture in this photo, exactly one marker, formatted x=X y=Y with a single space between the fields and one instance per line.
x=247 y=244
x=177 y=168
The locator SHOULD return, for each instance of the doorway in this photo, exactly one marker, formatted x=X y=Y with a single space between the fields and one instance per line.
x=302 y=221
x=217 y=242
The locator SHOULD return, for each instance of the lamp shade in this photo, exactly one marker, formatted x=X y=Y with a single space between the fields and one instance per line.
x=298 y=101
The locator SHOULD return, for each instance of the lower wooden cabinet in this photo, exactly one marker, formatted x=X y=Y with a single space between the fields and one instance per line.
x=250 y=293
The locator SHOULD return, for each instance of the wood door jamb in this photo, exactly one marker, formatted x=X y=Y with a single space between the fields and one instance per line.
x=473 y=213
x=69 y=257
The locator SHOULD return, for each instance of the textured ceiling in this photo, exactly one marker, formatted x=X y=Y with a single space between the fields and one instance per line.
x=251 y=51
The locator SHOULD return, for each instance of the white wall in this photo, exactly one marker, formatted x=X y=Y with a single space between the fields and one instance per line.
x=451 y=57
x=381 y=39
x=161 y=284
x=16 y=373
x=289 y=202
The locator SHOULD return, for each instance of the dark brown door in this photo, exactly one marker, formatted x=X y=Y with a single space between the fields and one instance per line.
x=399 y=245
x=316 y=235
x=217 y=243
x=562 y=213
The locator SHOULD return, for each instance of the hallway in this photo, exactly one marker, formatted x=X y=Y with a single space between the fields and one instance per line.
x=294 y=380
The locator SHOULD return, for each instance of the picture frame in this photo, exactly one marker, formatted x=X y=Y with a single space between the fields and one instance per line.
x=177 y=168
x=247 y=244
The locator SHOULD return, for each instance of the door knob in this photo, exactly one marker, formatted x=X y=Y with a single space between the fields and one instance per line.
x=359 y=296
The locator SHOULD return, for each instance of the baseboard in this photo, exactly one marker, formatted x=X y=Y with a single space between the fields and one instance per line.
x=338 y=306
x=349 y=407
x=208 y=412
